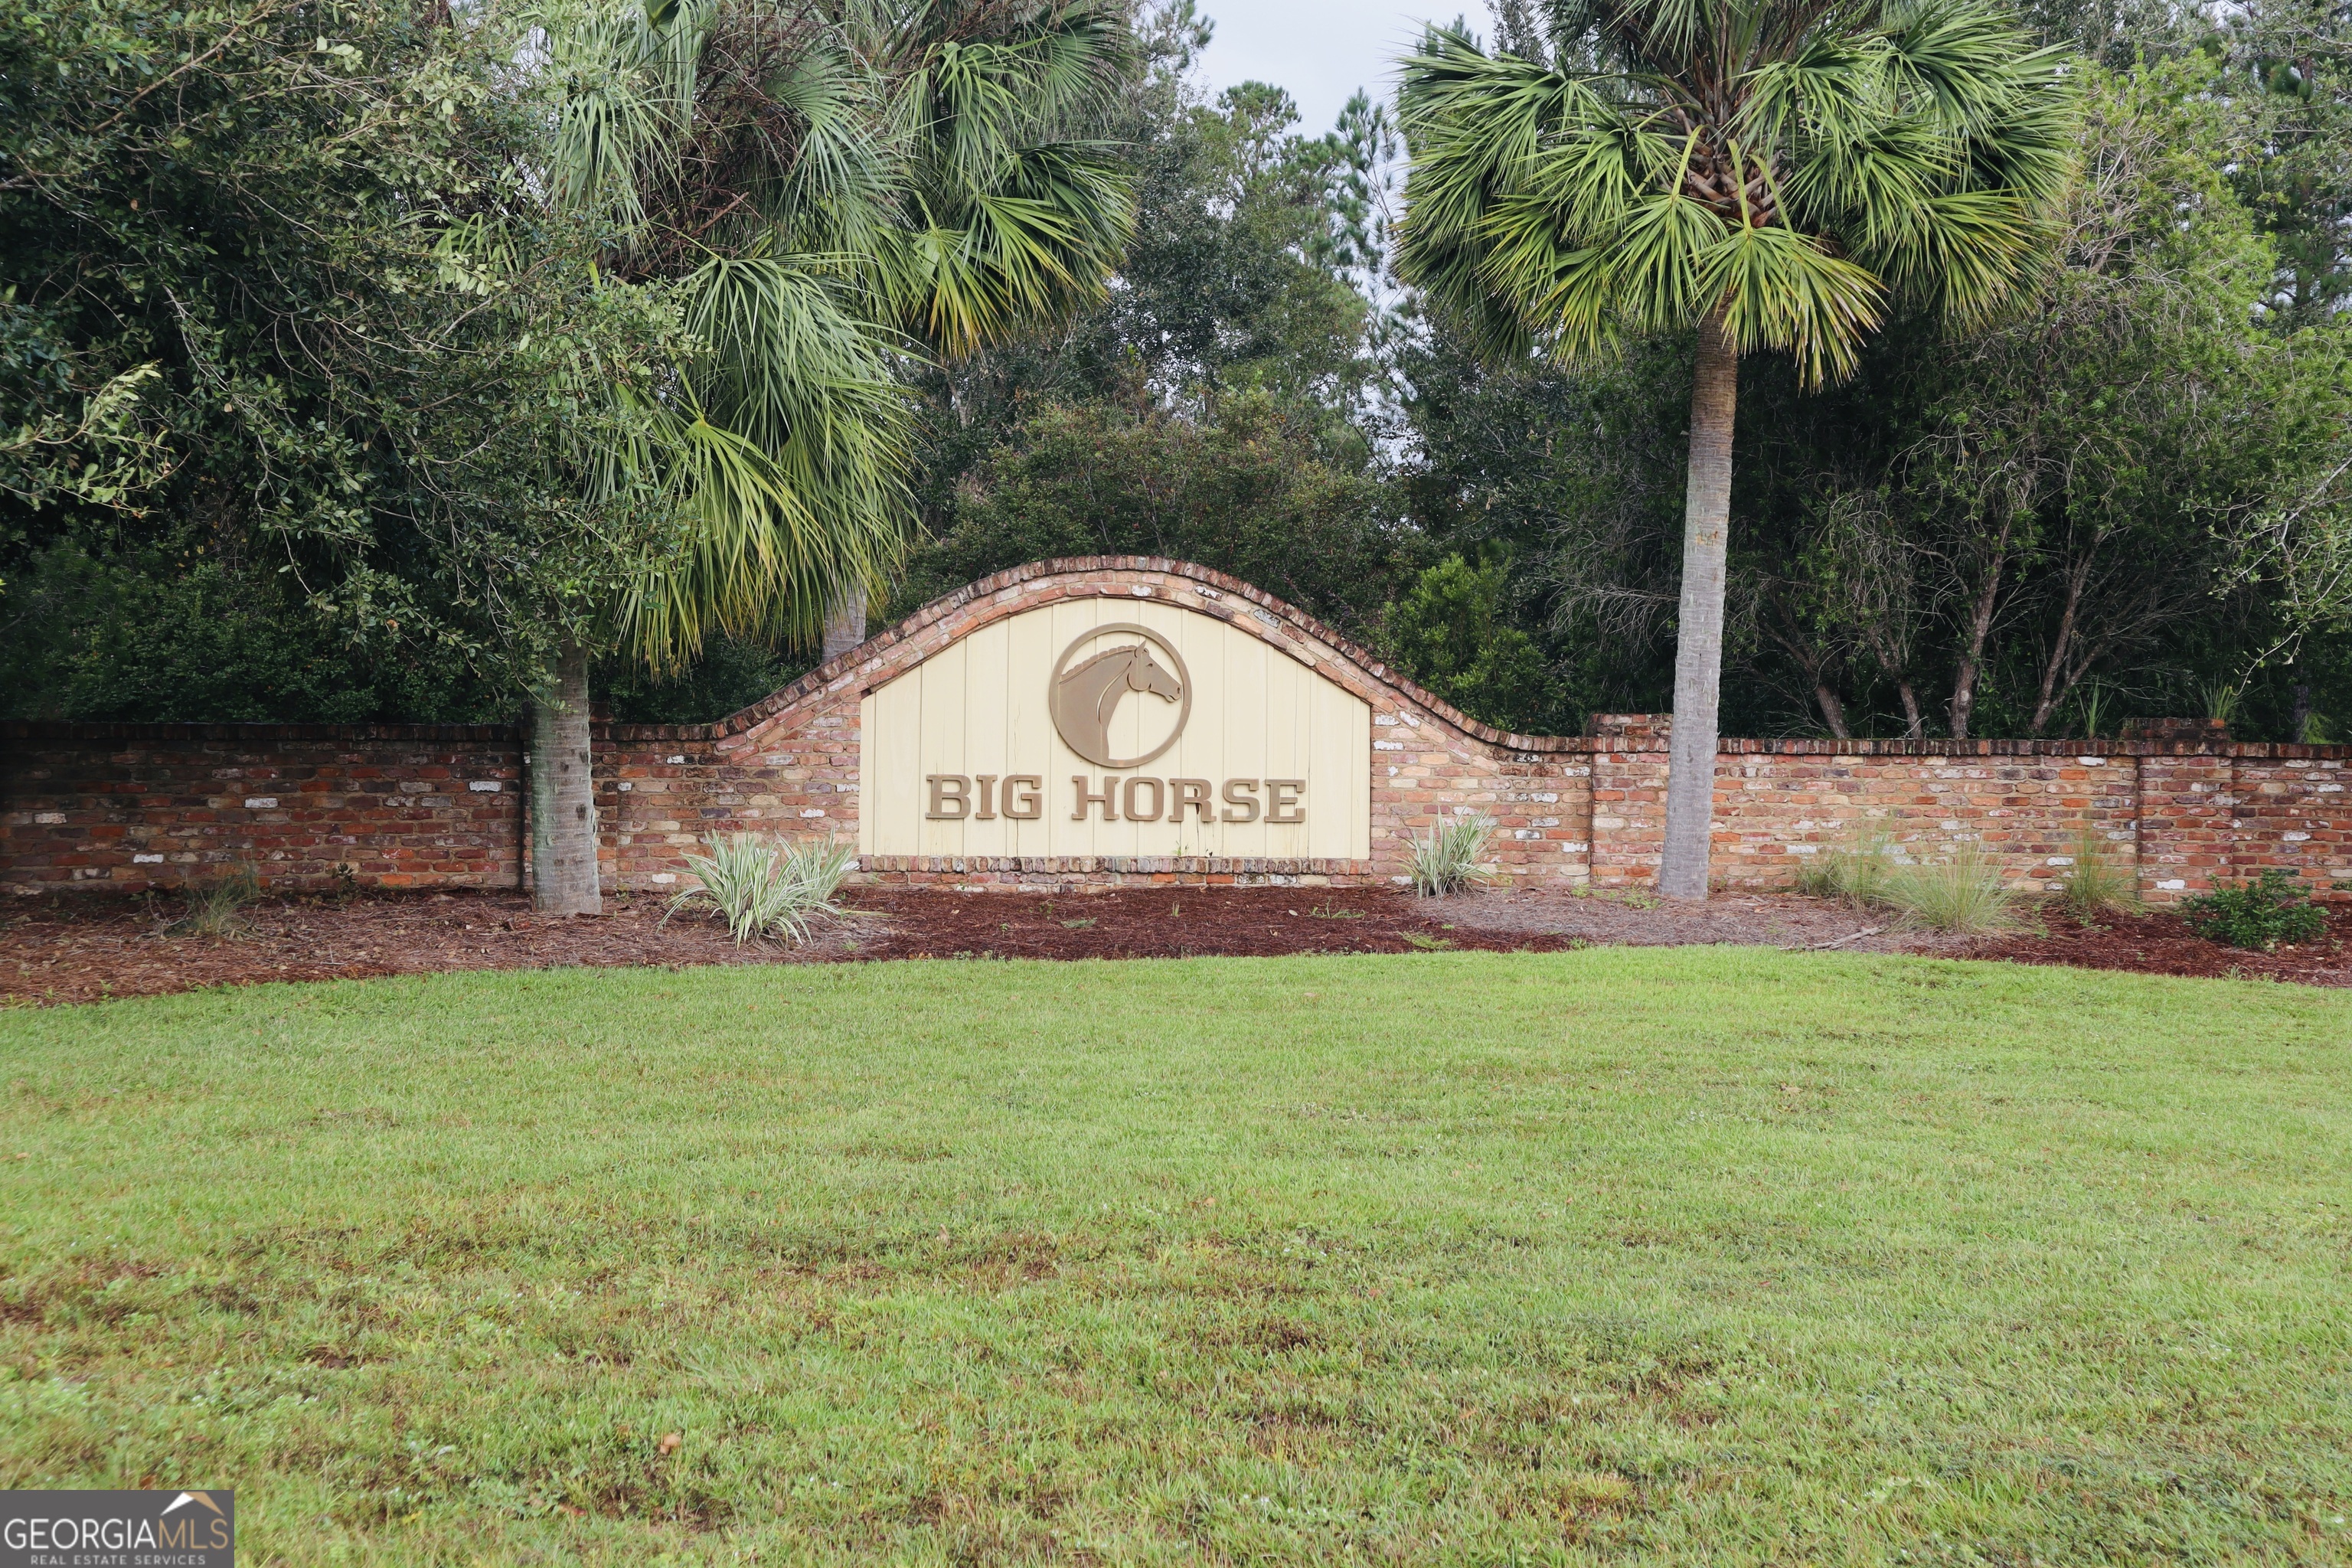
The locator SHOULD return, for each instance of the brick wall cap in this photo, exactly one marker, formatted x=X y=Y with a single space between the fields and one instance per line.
x=2241 y=751
x=818 y=680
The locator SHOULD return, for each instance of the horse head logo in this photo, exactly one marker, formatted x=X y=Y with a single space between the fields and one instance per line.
x=1087 y=694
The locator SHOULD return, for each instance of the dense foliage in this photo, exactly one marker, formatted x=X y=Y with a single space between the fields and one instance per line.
x=1219 y=404
x=2122 y=496
x=1245 y=492
x=271 y=446
x=277 y=449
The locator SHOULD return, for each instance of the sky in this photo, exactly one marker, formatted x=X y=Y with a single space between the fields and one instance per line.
x=1320 y=50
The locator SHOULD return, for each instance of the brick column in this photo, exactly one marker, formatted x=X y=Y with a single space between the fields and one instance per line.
x=2290 y=812
x=2187 y=823
x=1629 y=798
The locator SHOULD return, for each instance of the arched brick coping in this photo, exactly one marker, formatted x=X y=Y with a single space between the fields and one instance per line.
x=1212 y=592
x=132 y=806
x=1428 y=757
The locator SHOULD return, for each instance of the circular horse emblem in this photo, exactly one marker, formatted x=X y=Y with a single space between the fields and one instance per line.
x=1087 y=691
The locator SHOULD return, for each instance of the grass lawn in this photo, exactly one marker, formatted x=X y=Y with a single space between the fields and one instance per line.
x=1686 y=1255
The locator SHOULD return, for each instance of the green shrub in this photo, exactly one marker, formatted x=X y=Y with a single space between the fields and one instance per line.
x=139 y=635
x=1451 y=632
x=1447 y=861
x=729 y=674
x=1856 y=873
x=1963 y=895
x=2260 y=913
x=762 y=888
x=1253 y=490
x=2097 y=886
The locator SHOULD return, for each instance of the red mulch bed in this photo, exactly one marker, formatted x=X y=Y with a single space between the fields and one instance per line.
x=1176 y=923
x=2163 y=944
x=83 y=949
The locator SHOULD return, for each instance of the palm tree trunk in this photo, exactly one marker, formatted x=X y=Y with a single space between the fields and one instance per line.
x=1698 y=647
x=845 y=620
x=562 y=799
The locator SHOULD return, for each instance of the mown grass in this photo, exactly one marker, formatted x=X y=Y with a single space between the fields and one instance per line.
x=1621 y=1255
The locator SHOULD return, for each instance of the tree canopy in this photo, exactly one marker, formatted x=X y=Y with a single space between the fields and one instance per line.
x=282 y=438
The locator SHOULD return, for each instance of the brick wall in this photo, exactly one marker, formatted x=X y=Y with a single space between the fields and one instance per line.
x=791 y=762
x=133 y=806
x=2027 y=805
x=129 y=807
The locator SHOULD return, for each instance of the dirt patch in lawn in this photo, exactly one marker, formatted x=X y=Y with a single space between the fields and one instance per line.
x=83 y=949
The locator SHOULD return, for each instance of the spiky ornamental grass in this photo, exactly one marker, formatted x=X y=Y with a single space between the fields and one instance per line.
x=763 y=888
x=1963 y=895
x=216 y=908
x=2098 y=884
x=1855 y=873
x=1445 y=860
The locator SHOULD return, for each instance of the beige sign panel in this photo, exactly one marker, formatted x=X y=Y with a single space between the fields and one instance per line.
x=1112 y=726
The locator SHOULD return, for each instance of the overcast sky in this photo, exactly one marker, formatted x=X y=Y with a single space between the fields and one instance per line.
x=1320 y=50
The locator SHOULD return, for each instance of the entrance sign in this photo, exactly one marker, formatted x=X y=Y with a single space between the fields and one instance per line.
x=1114 y=727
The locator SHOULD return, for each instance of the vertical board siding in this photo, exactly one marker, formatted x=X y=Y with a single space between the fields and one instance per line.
x=982 y=706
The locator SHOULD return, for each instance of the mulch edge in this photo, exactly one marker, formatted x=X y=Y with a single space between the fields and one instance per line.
x=2164 y=946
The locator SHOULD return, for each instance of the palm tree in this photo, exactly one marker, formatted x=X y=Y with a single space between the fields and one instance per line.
x=1773 y=174
x=1011 y=217
x=822 y=193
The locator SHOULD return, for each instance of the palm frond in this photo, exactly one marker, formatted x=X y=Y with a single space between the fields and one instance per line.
x=764 y=548
x=1799 y=165
x=1779 y=288
x=1958 y=253
x=1658 y=255
x=811 y=184
x=1865 y=180
x=627 y=87
x=1035 y=245
x=836 y=189
x=1954 y=59
x=1011 y=223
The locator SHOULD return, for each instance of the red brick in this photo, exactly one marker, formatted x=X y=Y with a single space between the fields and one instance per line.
x=2024 y=801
